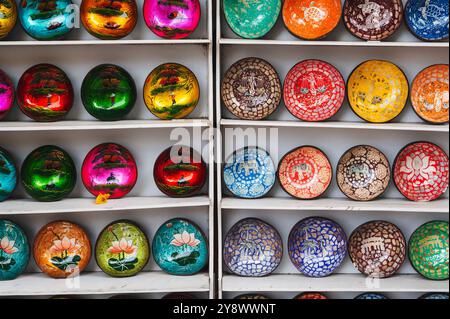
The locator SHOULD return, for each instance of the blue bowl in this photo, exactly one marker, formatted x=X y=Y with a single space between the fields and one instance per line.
x=371 y=296
x=435 y=296
x=428 y=19
x=8 y=175
x=14 y=250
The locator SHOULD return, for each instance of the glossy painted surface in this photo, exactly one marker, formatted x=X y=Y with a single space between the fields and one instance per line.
x=249 y=173
x=122 y=249
x=252 y=248
x=8 y=175
x=62 y=249
x=312 y=296
x=109 y=19
x=251 y=19
x=48 y=174
x=371 y=296
x=377 y=91
x=435 y=296
x=6 y=94
x=251 y=297
x=428 y=19
x=317 y=246
x=172 y=19
x=8 y=17
x=421 y=171
x=14 y=250
x=46 y=19
x=171 y=91
x=311 y=20
x=45 y=93
x=314 y=90
x=428 y=250
x=180 y=247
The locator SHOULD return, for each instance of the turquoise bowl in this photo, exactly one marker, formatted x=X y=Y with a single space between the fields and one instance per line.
x=14 y=250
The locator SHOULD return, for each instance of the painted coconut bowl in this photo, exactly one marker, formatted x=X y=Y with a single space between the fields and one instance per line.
x=317 y=246
x=46 y=19
x=435 y=296
x=251 y=297
x=122 y=249
x=371 y=296
x=48 y=174
x=179 y=295
x=311 y=295
x=428 y=19
x=180 y=247
x=377 y=249
x=363 y=173
x=251 y=20
x=172 y=19
x=8 y=17
x=109 y=19
x=428 y=250
x=8 y=175
x=314 y=90
x=62 y=249
x=377 y=91
x=311 y=20
x=108 y=92
x=45 y=93
x=14 y=250
x=251 y=89
x=430 y=94
x=249 y=173
x=171 y=91
x=305 y=172
x=109 y=169
x=6 y=94
x=252 y=248
x=180 y=171
x=421 y=171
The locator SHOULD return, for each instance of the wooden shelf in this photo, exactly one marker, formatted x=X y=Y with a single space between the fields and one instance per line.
x=105 y=42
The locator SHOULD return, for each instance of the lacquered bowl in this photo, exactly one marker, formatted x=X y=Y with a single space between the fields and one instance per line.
x=251 y=297
x=428 y=20
x=122 y=249
x=252 y=248
x=311 y=20
x=363 y=173
x=249 y=173
x=430 y=94
x=8 y=17
x=421 y=171
x=377 y=249
x=62 y=249
x=253 y=19
x=8 y=175
x=317 y=246
x=371 y=296
x=314 y=90
x=48 y=174
x=428 y=250
x=377 y=91
x=45 y=93
x=311 y=296
x=305 y=172
x=435 y=296
x=180 y=247
x=14 y=250
x=251 y=89
x=6 y=94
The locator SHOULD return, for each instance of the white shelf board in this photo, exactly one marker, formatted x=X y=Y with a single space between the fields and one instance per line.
x=96 y=283
x=104 y=42
x=333 y=283
x=81 y=205
x=337 y=204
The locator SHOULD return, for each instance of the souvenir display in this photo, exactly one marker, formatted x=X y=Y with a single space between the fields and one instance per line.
x=109 y=20
x=172 y=19
x=249 y=173
x=430 y=94
x=421 y=171
x=48 y=174
x=122 y=249
x=8 y=17
x=305 y=172
x=371 y=296
x=251 y=89
x=46 y=19
x=428 y=250
x=377 y=91
x=62 y=249
x=363 y=173
x=108 y=92
x=428 y=19
x=8 y=175
x=311 y=20
x=179 y=295
x=314 y=90
x=14 y=250
x=252 y=248
x=180 y=171
x=251 y=19
x=435 y=296
x=171 y=91
x=109 y=169
x=251 y=297
x=180 y=247
x=311 y=295
x=45 y=93
x=317 y=246
x=377 y=249
x=6 y=94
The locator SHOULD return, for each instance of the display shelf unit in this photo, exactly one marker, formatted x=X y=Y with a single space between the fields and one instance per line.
x=26 y=43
